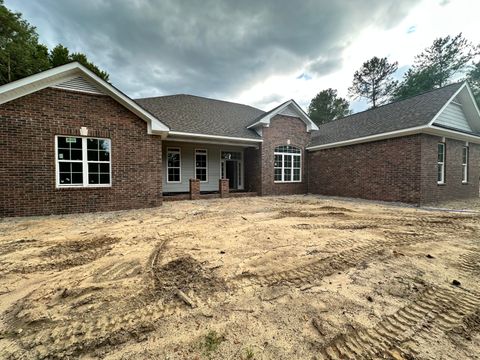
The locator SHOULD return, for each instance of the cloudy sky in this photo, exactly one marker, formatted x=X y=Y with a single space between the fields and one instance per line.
x=258 y=52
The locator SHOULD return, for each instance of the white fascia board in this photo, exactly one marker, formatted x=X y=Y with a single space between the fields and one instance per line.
x=387 y=135
x=452 y=134
x=265 y=121
x=213 y=137
x=33 y=83
x=212 y=142
x=446 y=104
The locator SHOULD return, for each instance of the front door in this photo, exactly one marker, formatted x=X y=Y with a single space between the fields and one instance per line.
x=231 y=168
x=231 y=173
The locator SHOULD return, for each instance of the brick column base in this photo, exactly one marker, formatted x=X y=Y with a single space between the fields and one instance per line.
x=194 y=189
x=224 y=187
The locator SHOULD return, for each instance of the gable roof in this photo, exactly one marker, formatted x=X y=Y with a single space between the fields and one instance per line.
x=189 y=114
x=411 y=114
x=264 y=119
x=62 y=75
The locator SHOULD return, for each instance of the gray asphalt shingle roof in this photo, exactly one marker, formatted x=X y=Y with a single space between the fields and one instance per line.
x=415 y=111
x=194 y=114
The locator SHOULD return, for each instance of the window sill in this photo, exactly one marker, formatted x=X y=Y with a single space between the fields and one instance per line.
x=465 y=182
x=441 y=184
x=287 y=182
x=83 y=187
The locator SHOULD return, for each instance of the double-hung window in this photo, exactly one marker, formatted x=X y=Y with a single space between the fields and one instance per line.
x=288 y=164
x=173 y=165
x=441 y=164
x=83 y=162
x=201 y=169
x=465 y=155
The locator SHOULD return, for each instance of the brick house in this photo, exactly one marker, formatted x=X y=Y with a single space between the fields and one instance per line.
x=70 y=142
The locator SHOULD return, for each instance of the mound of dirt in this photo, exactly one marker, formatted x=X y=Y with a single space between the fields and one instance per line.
x=185 y=274
x=75 y=253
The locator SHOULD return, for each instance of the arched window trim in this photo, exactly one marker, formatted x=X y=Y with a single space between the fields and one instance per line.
x=287 y=164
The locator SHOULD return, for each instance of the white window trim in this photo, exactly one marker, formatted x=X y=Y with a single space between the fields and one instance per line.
x=84 y=162
x=283 y=167
x=179 y=150
x=442 y=163
x=465 y=167
x=206 y=163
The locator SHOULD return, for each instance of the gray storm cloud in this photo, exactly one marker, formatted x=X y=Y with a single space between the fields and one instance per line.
x=208 y=48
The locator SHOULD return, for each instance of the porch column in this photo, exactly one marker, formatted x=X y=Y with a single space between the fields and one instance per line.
x=194 y=189
x=224 y=187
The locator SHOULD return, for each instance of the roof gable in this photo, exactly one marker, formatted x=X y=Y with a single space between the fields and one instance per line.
x=288 y=108
x=460 y=113
x=412 y=114
x=74 y=76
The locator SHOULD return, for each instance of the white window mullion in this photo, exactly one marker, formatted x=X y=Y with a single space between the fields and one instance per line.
x=85 y=161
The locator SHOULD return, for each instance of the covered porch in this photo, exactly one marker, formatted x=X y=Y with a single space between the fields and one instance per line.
x=203 y=169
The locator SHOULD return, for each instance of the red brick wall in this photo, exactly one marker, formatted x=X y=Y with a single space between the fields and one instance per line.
x=383 y=170
x=282 y=128
x=453 y=187
x=28 y=126
x=253 y=170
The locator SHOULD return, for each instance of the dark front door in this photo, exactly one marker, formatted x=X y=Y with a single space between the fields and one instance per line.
x=231 y=173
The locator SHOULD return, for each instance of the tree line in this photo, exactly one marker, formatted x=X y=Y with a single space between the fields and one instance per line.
x=21 y=53
x=448 y=59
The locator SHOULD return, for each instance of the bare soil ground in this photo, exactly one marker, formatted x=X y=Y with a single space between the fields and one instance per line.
x=299 y=277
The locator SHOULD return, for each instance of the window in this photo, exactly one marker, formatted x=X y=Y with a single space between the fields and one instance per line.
x=173 y=165
x=288 y=164
x=465 y=153
x=201 y=165
x=441 y=164
x=83 y=162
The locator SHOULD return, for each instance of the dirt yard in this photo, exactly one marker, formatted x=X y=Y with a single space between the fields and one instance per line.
x=298 y=277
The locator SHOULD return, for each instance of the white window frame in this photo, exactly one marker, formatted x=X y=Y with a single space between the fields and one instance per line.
x=441 y=163
x=84 y=163
x=465 y=169
x=201 y=151
x=292 y=155
x=179 y=151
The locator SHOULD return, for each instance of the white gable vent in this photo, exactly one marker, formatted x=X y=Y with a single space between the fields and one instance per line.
x=79 y=84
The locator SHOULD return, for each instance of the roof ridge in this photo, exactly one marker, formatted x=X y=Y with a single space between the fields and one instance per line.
x=200 y=97
x=397 y=101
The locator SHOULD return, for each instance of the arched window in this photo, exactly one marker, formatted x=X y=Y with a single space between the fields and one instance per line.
x=288 y=164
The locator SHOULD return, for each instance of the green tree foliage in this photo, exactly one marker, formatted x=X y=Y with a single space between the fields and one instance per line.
x=21 y=54
x=437 y=66
x=374 y=81
x=473 y=78
x=327 y=106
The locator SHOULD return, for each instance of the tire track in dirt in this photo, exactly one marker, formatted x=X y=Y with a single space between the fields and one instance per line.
x=60 y=340
x=470 y=262
x=118 y=271
x=436 y=308
x=368 y=251
x=317 y=269
x=131 y=319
